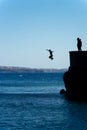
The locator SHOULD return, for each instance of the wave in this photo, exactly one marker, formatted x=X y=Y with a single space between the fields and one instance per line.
x=31 y=94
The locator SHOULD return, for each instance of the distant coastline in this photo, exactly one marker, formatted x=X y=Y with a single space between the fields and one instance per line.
x=26 y=69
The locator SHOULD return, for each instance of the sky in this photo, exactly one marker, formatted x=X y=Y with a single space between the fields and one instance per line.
x=29 y=27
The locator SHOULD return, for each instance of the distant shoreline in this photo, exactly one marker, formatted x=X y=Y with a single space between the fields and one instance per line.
x=26 y=69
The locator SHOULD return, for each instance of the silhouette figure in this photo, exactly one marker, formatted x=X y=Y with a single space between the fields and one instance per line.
x=51 y=54
x=79 y=44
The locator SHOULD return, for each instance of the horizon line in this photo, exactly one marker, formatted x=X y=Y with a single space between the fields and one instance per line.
x=23 y=67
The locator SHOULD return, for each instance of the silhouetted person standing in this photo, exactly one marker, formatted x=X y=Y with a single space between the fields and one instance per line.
x=79 y=44
x=51 y=54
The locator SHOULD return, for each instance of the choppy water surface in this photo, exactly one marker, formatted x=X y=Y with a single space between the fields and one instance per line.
x=31 y=101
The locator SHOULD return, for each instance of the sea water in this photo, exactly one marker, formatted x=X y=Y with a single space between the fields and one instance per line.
x=32 y=101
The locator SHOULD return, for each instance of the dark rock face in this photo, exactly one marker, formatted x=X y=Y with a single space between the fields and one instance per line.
x=62 y=91
x=75 y=79
x=76 y=83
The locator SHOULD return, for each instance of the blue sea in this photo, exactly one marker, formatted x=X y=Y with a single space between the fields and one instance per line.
x=32 y=101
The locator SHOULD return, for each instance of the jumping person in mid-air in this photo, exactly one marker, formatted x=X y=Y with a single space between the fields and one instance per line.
x=51 y=54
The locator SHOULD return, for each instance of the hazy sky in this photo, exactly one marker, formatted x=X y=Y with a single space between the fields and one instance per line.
x=29 y=27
